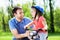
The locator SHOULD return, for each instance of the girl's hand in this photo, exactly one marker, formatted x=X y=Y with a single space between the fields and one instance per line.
x=28 y=25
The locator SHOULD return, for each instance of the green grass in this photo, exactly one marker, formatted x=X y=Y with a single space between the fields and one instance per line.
x=5 y=36
x=8 y=36
x=54 y=36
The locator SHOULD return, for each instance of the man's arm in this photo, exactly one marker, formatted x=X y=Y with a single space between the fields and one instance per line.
x=15 y=33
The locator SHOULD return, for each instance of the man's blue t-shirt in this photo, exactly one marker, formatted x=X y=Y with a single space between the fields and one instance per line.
x=14 y=24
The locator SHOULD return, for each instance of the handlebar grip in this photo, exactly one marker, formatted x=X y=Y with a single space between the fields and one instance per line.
x=26 y=28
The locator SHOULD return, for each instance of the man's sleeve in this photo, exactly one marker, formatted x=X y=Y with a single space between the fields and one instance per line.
x=11 y=25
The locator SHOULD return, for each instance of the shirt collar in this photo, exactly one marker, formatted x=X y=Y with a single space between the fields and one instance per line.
x=19 y=22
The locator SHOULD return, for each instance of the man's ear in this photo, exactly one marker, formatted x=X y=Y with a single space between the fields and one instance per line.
x=14 y=14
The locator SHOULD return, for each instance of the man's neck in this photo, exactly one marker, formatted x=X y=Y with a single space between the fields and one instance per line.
x=19 y=20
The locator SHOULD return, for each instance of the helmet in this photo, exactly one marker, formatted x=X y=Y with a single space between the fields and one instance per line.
x=38 y=8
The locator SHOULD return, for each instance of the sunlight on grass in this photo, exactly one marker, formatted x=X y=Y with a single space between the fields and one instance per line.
x=5 y=38
x=10 y=38
x=54 y=38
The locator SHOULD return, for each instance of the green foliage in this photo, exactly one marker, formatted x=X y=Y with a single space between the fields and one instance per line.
x=0 y=21
x=57 y=20
x=26 y=10
x=10 y=14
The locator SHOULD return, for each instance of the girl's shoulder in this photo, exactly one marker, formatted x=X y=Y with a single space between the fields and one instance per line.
x=41 y=18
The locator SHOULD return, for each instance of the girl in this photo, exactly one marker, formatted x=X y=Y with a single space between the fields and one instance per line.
x=39 y=22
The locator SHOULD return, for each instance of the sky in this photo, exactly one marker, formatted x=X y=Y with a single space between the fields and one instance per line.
x=5 y=3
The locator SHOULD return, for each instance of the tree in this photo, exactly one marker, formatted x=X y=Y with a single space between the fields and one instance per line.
x=11 y=3
x=45 y=7
x=51 y=16
x=9 y=9
x=26 y=10
x=10 y=14
x=3 y=20
x=57 y=19
x=33 y=3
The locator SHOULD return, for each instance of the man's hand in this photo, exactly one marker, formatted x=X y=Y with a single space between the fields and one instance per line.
x=27 y=33
x=15 y=33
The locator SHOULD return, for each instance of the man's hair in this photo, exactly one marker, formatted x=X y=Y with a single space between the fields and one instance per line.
x=15 y=9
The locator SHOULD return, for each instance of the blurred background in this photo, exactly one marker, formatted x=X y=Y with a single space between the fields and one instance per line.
x=51 y=13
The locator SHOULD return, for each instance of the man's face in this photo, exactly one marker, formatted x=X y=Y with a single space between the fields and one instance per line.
x=19 y=14
x=33 y=12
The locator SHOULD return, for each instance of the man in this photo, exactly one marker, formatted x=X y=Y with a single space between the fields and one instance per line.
x=17 y=23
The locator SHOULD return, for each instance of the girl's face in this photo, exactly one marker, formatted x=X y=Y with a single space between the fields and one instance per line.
x=33 y=12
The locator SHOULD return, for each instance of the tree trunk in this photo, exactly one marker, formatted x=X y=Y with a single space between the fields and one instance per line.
x=33 y=2
x=4 y=27
x=51 y=16
x=44 y=8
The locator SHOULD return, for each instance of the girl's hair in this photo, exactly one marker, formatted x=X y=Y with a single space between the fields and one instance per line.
x=39 y=13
